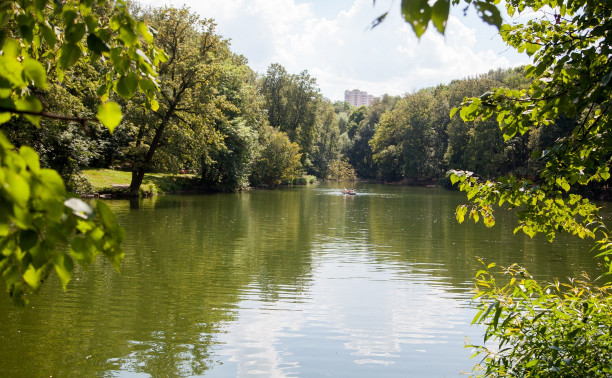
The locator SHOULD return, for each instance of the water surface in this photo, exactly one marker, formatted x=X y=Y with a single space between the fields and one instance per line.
x=295 y=282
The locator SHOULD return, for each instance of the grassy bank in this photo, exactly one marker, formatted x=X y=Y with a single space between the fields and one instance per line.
x=116 y=183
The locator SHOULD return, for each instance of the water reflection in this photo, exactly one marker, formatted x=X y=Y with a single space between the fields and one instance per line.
x=296 y=282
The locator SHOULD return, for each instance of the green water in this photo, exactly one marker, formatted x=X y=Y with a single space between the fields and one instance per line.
x=294 y=282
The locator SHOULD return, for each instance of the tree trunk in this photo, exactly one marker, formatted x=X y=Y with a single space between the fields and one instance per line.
x=139 y=171
x=137 y=177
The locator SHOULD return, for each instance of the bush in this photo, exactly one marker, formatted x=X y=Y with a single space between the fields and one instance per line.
x=341 y=170
x=551 y=330
x=303 y=180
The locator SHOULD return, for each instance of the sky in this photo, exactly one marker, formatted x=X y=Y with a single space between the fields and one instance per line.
x=331 y=39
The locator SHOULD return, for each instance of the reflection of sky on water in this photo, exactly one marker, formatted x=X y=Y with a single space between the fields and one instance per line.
x=358 y=317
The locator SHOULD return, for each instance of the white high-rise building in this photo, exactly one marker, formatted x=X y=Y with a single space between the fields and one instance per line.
x=358 y=98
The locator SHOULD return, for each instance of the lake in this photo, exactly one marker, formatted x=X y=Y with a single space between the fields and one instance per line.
x=296 y=282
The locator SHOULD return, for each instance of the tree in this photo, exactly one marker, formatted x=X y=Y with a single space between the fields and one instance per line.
x=37 y=217
x=341 y=170
x=327 y=144
x=360 y=151
x=293 y=102
x=278 y=161
x=188 y=105
x=227 y=165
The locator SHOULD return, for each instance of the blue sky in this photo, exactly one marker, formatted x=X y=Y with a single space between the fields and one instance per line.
x=331 y=39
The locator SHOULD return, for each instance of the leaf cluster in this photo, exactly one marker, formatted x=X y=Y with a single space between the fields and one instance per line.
x=542 y=329
x=38 y=37
x=570 y=78
x=38 y=222
x=418 y=13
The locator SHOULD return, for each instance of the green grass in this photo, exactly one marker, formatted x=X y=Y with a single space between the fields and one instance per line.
x=117 y=182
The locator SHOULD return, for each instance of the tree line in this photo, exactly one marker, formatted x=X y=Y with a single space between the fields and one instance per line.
x=213 y=115
x=216 y=117
x=413 y=139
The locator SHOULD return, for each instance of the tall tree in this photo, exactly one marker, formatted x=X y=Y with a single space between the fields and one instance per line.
x=327 y=144
x=274 y=88
x=278 y=161
x=188 y=105
x=293 y=102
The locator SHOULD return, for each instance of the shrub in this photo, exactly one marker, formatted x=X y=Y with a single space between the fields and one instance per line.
x=549 y=330
x=341 y=170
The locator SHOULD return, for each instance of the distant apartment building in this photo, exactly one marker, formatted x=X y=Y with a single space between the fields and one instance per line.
x=358 y=98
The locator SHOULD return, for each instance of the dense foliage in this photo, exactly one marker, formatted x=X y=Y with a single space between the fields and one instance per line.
x=43 y=45
x=413 y=139
x=552 y=330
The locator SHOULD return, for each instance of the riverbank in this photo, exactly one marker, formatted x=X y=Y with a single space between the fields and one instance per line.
x=108 y=183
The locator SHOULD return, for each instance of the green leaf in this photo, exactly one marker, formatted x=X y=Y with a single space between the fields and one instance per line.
x=489 y=13
x=439 y=15
x=148 y=86
x=53 y=181
x=155 y=107
x=109 y=114
x=106 y=215
x=30 y=104
x=95 y=44
x=25 y=24
x=128 y=36
x=127 y=85
x=48 y=35
x=378 y=20
x=63 y=267
x=75 y=32
x=31 y=158
x=17 y=188
x=27 y=240
x=33 y=277
x=69 y=15
x=531 y=48
x=35 y=71
x=460 y=213
x=115 y=23
x=143 y=29
x=119 y=62
x=82 y=250
x=417 y=13
x=70 y=53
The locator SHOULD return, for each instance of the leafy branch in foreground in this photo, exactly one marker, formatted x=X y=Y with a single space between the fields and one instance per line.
x=418 y=13
x=37 y=222
x=532 y=329
x=42 y=37
x=41 y=40
x=571 y=78
x=555 y=330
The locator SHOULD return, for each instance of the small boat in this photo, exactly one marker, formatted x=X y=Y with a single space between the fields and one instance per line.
x=349 y=192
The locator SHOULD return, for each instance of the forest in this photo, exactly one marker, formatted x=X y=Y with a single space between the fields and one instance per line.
x=235 y=128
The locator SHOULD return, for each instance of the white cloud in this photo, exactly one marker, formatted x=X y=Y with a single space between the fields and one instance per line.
x=339 y=50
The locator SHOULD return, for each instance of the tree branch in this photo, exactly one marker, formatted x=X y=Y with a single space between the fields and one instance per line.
x=49 y=115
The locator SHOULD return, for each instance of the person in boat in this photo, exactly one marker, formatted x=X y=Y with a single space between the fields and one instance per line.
x=344 y=191
x=351 y=191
